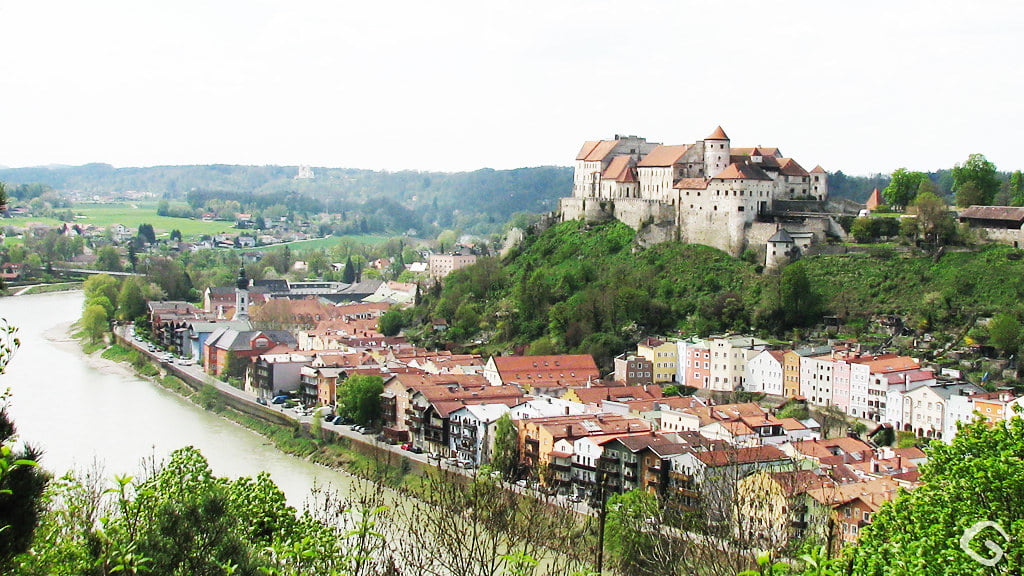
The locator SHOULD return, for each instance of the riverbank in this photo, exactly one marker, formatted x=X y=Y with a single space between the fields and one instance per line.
x=331 y=450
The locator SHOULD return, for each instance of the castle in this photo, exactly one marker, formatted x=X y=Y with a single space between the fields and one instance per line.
x=703 y=193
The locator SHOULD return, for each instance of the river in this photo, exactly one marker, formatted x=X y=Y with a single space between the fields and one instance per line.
x=82 y=410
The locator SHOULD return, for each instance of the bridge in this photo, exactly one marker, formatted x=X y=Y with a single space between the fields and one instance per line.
x=88 y=271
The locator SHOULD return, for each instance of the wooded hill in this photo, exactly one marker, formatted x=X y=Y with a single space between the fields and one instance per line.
x=477 y=202
x=589 y=289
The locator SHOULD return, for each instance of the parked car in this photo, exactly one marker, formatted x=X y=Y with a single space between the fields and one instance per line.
x=329 y=418
x=261 y=401
x=407 y=446
x=339 y=421
x=416 y=450
x=279 y=399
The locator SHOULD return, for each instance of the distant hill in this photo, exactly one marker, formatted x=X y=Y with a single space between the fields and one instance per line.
x=479 y=202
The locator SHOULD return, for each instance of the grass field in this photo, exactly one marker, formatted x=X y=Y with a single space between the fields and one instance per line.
x=131 y=215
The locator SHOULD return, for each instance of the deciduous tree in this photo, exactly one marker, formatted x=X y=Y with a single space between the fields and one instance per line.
x=902 y=188
x=359 y=398
x=979 y=171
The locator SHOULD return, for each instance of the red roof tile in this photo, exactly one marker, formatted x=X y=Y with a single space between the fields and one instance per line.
x=663 y=156
x=718 y=134
x=736 y=171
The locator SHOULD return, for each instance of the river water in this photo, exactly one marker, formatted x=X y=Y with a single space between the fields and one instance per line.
x=82 y=410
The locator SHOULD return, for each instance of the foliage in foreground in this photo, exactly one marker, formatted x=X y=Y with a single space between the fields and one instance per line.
x=977 y=482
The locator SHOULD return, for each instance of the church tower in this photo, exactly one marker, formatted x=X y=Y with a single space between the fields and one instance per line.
x=242 y=296
x=716 y=153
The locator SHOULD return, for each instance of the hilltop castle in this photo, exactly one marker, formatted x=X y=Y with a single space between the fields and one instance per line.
x=704 y=193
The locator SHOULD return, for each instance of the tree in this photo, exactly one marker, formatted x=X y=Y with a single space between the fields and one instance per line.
x=982 y=173
x=862 y=230
x=629 y=540
x=902 y=188
x=1016 y=189
x=175 y=235
x=391 y=322
x=349 y=275
x=505 y=456
x=130 y=302
x=1005 y=330
x=934 y=221
x=359 y=398
x=107 y=258
x=95 y=322
x=970 y=194
x=102 y=289
x=147 y=234
x=961 y=505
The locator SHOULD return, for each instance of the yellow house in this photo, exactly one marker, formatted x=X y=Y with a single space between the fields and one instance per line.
x=791 y=374
x=663 y=355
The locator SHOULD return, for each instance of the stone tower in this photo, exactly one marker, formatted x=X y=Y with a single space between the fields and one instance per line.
x=716 y=153
x=242 y=296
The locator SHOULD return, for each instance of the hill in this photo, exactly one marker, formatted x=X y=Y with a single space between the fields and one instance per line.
x=475 y=202
x=590 y=289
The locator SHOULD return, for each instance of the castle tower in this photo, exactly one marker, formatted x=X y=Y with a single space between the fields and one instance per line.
x=716 y=153
x=819 y=183
x=242 y=295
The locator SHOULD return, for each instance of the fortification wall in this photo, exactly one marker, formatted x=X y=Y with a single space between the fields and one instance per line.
x=637 y=212
x=723 y=230
x=589 y=209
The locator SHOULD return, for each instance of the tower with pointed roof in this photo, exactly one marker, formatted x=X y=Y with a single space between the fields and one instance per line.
x=708 y=192
x=242 y=295
x=717 y=153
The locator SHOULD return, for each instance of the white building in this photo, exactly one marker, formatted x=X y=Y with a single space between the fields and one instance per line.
x=764 y=373
x=471 y=431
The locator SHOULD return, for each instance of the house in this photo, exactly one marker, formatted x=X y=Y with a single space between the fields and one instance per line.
x=764 y=373
x=441 y=265
x=926 y=408
x=531 y=372
x=729 y=358
x=431 y=407
x=232 y=350
x=706 y=480
x=274 y=374
x=633 y=370
x=851 y=506
x=663 y=356
x=537 y=436
x=399 y=416
x=12 y=271
x=196 y=333
x=471 y=431
x=1001 y=224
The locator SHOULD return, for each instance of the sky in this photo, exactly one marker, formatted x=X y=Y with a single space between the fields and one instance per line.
x=863 y=87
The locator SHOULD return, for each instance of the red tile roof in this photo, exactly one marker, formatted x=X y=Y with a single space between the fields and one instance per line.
x=790 y=167
x=737 y=171
x=691 y=184
x=726 y=457
x=663 y=156
x=601 y=151
x=718 y=134
x=620 y=169
x=568 y=369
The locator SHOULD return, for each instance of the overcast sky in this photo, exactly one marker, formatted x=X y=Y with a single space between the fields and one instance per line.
x=859 y=86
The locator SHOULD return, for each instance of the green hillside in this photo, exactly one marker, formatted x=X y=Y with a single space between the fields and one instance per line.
x=590 y=289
